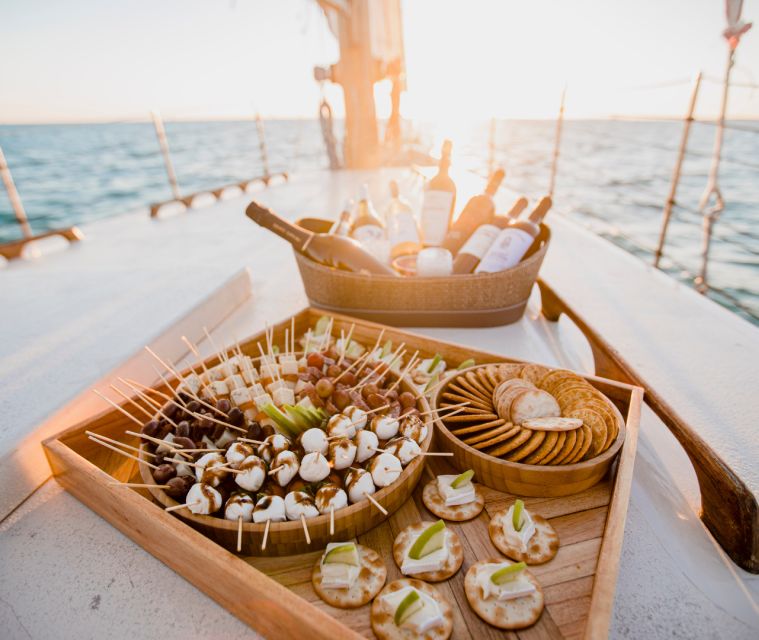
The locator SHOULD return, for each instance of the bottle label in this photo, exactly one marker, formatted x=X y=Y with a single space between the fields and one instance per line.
x=506 y=251
x=368 y=233
x=436 y=212
x=481 y=240
x=404 y=229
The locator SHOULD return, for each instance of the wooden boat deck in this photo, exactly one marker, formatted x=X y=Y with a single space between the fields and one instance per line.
x=72 y=317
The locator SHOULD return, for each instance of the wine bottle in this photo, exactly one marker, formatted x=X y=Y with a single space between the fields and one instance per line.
x=340 y=252
x=439 y=200
x=402 y=228
x=367 y=227
x=342 y=225
x=520 y=204
x=478 y=211
x=514 y=241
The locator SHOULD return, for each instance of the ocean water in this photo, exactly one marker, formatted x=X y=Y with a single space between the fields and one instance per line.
x=613 y=176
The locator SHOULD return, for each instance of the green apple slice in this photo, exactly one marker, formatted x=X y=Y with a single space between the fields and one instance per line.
x=466 y=364
x=517 y=519
x=408 y=607
x=431 y=539
x=507 y=574
x=463 y=479
x=321 y=326
x=343 y=554
x=435 y=362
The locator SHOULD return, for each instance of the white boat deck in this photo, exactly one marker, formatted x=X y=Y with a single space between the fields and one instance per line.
x=73 y=317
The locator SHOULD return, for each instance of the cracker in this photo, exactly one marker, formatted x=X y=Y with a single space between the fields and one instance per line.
x=498 y=439
x=518 y=613
x=470 y=417
x=540 y=548
x=527 y=448
x=371 y=579
x=579 y=442
x=533 y=372
x=479 y=427
x=384 y=626
x=458 y=398
x=508 y=370
x=486 y=382
x=563 y=447
x=556 y=377
x=435 y=504
x=586 y=444
x=518 y=440
x=491 y=372
x=619 y=421
x=597 y=425
x=453 y=562
x=492 y=433
x=546 y=447
x=533 y=403
x=505 y=393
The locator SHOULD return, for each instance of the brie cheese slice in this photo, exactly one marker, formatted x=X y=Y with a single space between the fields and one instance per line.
x=516 y=588
x=431 y=562
x=519 y=539
x=427 y=617
x=337 y=575
x=452 y=497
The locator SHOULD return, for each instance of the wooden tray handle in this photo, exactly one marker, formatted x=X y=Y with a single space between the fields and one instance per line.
x=728 y=508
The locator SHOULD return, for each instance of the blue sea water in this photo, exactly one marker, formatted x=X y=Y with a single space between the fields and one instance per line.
x=613 y=177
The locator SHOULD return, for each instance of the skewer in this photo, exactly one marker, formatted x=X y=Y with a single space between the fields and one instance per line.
x=366 y=413
x=200 y=416
x=450 y=406
x=287 y=341
x=428 y=392
x=372 y=350
x=176 y=507
x=140 y=485
x=128 y=399
x=219 y=354
x=149 y=400
x=331 y=520
x=116 y=406
x=123 y=453
x=198 y=450
x=380 y=508
x=239 y=534
x=433 y=453
x=266 y=535
x=119 y=443
x=342 y=339
x=195 y=352
x=250 y=441
x=271 y=472
x=292 y=332
x=305 y=528
x=381 y=364
x=346 y=342
x=405 y=371
x=324 y=343
x=181 y=452
x=194 y=396
x=363 y=357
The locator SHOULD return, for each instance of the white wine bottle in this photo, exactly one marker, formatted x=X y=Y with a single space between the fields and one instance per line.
x=367 y=227
x=340 y=252
x=439 y=200
x=514 y=241
x=342 y=226
x=402 y=228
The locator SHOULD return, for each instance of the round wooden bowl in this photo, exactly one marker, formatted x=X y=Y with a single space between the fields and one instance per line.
x=288 y=538
x=524 y=479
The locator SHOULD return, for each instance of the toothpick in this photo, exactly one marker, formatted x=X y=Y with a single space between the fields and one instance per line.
x=380 y=508
x=446 y=408
x=239 y=534
x=359 y=359
x=116 y=406
x=381 y=364
x=201 y=416
x=331 y=520
x=119 y=443
x=140 y=485
x=219 y=354
x=149 y=400
x=248 y=440
x=292 y=332
x=372 y=350
x=123 y=453
x=128 y=399
x=195 y=352
x=273 y=471
x=159 y=441
x=404 y=372
x=287 y=343
x=433 y=453
x=176 y=507
x=305 y=528
x=266 y=535
x=346 y=342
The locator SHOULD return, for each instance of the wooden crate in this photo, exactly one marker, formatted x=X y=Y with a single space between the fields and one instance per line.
x=274 y=595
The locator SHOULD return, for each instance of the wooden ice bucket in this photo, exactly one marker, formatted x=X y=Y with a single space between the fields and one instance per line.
x=474 y=300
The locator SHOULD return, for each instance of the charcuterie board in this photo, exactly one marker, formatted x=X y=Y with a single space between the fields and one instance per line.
x=275 y=595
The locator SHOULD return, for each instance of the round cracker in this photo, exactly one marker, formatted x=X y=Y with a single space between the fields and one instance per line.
x=435 y=504
x=555 y=376
x=508 y=370
x=597 y=425
x=474 y=381
x=479 y=427
x=371 y=579
x=586 y=444
x=541 y=547
x=579 y=442
x=545 y=448
x=384 y=626
x=492 y=374
x=505 y=393
x=518 y=613
x=517 y=455
x=471 y=417
x=518 y=440
x=459 y=395
x=563 y=449
x=619 y=421
x=499 y=439
x=455 y=558
x=466 y=387
x=533 y=403
x=533 y=372
x=491 y=433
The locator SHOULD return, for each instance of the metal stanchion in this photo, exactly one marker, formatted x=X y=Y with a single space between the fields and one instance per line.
x=10 y=187
x=164 y=144
x=557 y=145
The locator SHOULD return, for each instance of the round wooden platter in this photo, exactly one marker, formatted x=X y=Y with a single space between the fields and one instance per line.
x=288 y=538
x=518 y=478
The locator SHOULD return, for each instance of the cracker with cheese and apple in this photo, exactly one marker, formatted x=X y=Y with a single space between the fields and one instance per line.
x=504 y=594
x=523 y=536
x=428 y=551
x=454 y=497
x=348 y=575
x=408 y=609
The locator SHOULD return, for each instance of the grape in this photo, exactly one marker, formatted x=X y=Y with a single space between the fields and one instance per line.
x=315 y=359
x=324 y=388
x=407 y=399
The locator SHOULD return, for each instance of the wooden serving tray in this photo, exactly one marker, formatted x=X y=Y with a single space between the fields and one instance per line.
x=274 y=595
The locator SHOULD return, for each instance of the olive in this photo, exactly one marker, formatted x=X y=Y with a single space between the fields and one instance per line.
x=183 y=443
x=341 y=398
x=268 y=430
x=150 y=429
x=193 y=406
x=255 y=432
x=179 y=486
x=164 y=473
x=349 y=379
x=236 y=417
x=218 y=431
x=375 y=401
x=224 y=405
x=407 y=399
x=183 y=429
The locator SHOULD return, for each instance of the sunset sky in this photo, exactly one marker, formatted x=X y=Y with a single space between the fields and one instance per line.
x=91 y=60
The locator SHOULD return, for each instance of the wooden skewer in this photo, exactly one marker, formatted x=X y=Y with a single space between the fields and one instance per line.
x=250 y=441
x=405 y=371
x=200 y=416
x=266 y=535
x=305 y=528
x=130 y=401
x=198 y=450
x=171 y=448
x=269 y=339
x=380 y=508
x=219 y=354
x=116 y=406
x=346 y=342
x=195 y=352
x=140 y=485
x=396 y=355
x=287 y=342
x=292 y=332
x=123 y=453
x=177 y=507
x=371 y=351
x=275 y=470
x=433 y=453
x=150 y=401
x=119 y=443
x=359 y=359
x=239 y=534
x=331 y=520
x=446 y=408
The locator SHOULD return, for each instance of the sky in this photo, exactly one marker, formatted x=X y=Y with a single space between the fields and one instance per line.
x=95 y=60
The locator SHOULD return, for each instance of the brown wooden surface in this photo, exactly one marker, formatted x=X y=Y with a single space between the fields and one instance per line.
x=729 y=509
x=13 y=250
x=579 y=582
